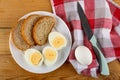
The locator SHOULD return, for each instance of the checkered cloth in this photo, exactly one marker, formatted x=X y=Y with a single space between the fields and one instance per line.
x=104 y=20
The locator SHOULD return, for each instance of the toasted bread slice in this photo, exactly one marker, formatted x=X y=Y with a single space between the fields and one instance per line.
x=42 y=29
x=17 y=38
x=27 y=29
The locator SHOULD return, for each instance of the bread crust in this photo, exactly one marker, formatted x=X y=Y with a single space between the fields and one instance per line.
x=41 y=27
x=43 y=31
x=27 y=28
x=17 y=37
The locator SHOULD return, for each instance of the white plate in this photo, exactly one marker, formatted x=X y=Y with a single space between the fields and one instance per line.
x=18 y=55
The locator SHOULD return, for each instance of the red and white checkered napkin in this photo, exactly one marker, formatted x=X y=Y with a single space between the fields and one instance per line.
x=104 y=19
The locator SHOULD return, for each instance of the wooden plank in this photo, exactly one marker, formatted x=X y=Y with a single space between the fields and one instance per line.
x=11 y=71
x=12 y=10
x=117 y=2
x=4 y=39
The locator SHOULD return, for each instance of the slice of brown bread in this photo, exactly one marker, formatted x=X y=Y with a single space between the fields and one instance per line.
x=42 y=29
x=27 y=28
x=17 y=38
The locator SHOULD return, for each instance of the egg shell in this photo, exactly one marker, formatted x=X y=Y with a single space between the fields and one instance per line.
x=83 y=55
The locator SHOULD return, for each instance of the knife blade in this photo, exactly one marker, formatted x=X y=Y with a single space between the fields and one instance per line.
x=96 y=47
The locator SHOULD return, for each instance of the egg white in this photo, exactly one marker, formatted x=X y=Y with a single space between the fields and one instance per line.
x=52 y=35
x=28 y=53
x=46 y=61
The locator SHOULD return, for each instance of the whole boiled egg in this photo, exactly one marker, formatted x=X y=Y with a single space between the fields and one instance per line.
x=57 y=40
x=33 y=57
x=50 y=55
x=83 y=55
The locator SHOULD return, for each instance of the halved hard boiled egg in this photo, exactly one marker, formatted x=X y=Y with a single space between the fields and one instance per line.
x=57 y=40
x=33 y=57
x=50 y=55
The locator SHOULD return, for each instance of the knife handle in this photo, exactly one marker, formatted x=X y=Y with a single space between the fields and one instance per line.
x=101 y=59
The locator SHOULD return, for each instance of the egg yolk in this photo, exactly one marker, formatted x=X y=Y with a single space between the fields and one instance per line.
x=58 y=41
x=50 y=54
x=35 y=58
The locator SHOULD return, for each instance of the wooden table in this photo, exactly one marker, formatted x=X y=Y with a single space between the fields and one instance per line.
x=10 y=12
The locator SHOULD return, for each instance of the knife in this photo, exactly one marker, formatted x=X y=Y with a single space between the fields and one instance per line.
x=104 y=70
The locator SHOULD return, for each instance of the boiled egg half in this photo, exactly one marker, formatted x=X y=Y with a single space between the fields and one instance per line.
x=57 y=40
x=50 y=55
x=33 y=57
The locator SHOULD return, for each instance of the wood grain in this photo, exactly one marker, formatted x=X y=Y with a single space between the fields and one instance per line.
x=11 y=71
x=12 y=10
x=4 y=39
x=117 y=2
